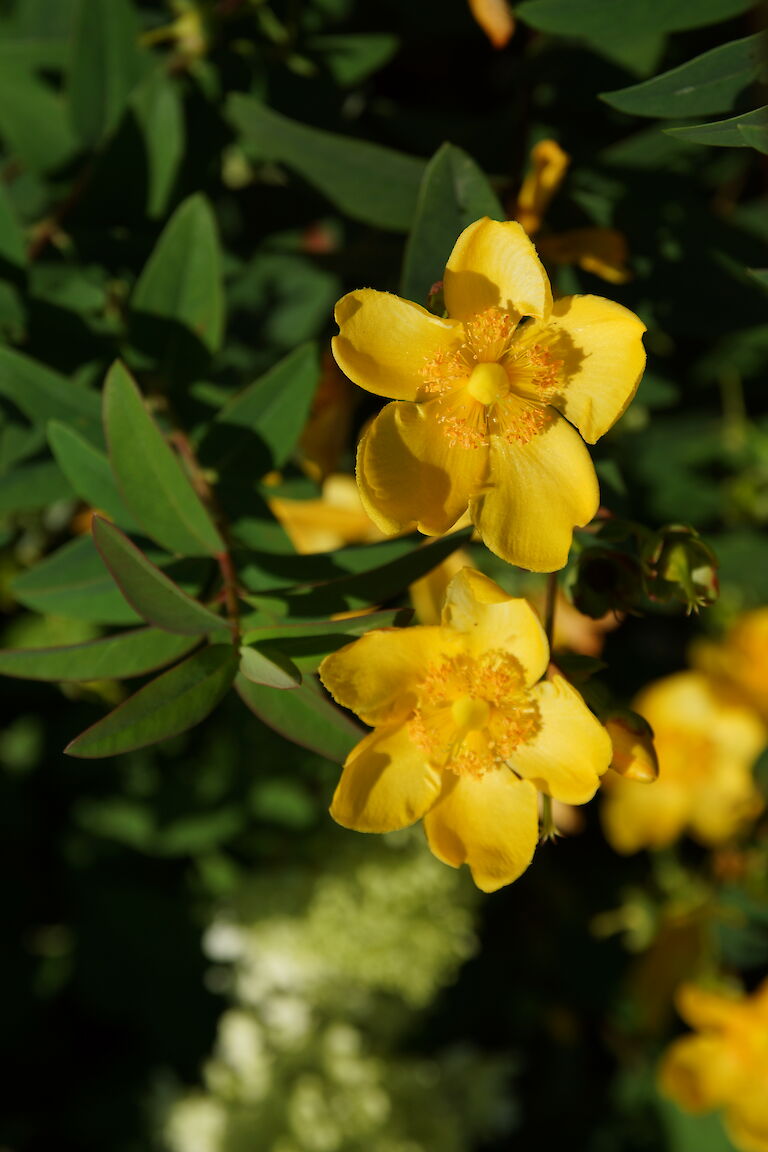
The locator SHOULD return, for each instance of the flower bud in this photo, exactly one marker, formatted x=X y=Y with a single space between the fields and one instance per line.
x=680 y=566
x=634 y=754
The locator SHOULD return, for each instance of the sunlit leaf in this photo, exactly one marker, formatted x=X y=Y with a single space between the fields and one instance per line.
x=266 y=664
x=150 y=478
x=87 y=470
x=173 y=702
x=304 y=716
x=148 y=590
x=113 y=658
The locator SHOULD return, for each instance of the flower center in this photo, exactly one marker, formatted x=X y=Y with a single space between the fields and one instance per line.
x=467 y=712
x=472 y=712
x=488 y=383
x=496 y=382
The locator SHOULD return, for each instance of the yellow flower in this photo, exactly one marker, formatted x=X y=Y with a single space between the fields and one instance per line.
x=495 y=18
x=336 y=518
x=465 y=733
x=725 y=1064
x=742 y=658
x=634 y=753
x=485 y=402
x=549 y=164
x=706 y=744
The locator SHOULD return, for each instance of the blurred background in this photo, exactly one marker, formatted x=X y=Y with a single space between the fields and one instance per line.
x=194 y=957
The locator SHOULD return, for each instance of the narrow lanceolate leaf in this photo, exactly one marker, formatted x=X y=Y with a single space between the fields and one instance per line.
x=43 y=395
x=31 y=487
x=705 y=85
x=266 y=664
x=33 y=119
x=178 y=302
x=731 y=133
x=87 y=470
x=175 y=701
x=454 y=192
x=376 y=185
x=304 y=716
x=106 y=64
x=755 y=135
x=157 y=107
x=269 y=414
x=148 y=590
x=113 y=658
x=73 y=582
x=306 y=643
x=152 y=482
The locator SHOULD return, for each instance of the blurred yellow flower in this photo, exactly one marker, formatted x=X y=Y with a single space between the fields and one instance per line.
x=332 y=520
x=601 y=251
x=495 y=18
x=634 y=753
x=725 y=1064
x=741 y=659
x=465 y=732
x=485 y=404
x=706 y=742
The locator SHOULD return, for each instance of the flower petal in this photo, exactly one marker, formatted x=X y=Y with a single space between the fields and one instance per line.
x=536 y=493
x=600 y=345
x=475 y=604
x=495 y=265
x=704 y=1009
x=377 y=674
x=571 y=749
x=489 y=822
x=696 y=1071
x=385 y=342
x=409 y=472
x=386 y=783
x=636 y=816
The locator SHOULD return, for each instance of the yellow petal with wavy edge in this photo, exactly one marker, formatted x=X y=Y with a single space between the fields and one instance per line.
x=386 y=783
x=476 y=605
x=495 y=265
x=704 y=1009
x=376 y=676
x=385 y=342
x=570 y=751
x=536 y=494
x=411 y=475
x=635 y=816
x=489 y=822
x=600 y=348
x=697 y=1072
x=746 y=1117
x=724 y=803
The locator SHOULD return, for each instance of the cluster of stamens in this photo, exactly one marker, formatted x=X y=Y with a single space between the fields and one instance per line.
x=473 y=712
x=493 y=383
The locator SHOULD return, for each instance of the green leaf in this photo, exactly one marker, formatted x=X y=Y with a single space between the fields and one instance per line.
x=87 y=470
x=178 y=301
x=304 y=716
x=353 y=57
x=148 y=590
x=173 y=702
x=159 y=114
x=106 y=65
x=707 y=84
x=31 y=487
x=760 y=275
x=266 y=664
x=376 y=185
x=352 y=577
x=150 y=478
x=11 y=235
x=755 y=135
x=306 y=644
x=33 y=121
x=726 y=133
x=272 y=413
x=43 y=395
x=73 y=582
x=453 y=194
x=113 y=658
x=633 y=35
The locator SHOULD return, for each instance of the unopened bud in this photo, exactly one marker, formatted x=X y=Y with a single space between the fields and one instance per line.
x=634 y=754
x=680 y=566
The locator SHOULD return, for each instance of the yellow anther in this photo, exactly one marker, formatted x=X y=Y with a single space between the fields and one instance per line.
x=488 y=383
x=468 y=712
